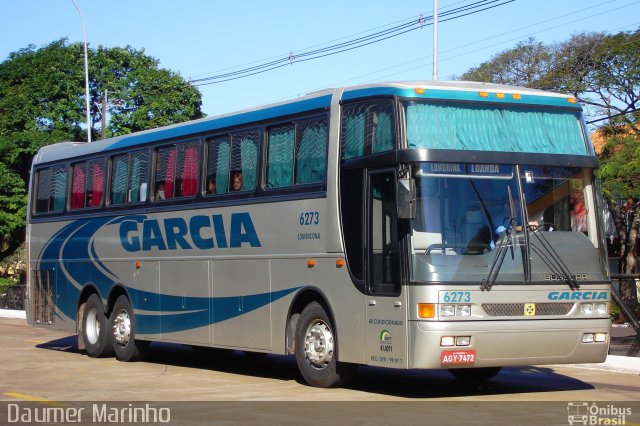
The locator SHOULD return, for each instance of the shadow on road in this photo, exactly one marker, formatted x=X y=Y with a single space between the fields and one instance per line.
x=400 y=383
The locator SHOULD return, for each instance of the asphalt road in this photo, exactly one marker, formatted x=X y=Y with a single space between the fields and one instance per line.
x=43 y=368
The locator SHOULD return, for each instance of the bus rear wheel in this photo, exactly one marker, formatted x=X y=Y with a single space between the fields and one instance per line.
x=475 y=374
x=95 y=330
x=123 y=334
x=316 y=349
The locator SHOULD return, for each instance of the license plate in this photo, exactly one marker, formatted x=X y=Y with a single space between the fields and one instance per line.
x=458 y=357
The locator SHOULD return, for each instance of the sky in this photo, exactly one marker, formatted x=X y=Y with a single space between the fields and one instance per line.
x=199 y=38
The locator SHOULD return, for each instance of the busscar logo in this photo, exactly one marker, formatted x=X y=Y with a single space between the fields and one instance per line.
x=584 y=413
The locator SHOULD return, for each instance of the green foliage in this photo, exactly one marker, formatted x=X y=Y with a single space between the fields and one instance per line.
x=620 y=166
x=42 y=101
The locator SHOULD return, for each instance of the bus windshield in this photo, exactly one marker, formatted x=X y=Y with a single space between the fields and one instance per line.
x=466 y=211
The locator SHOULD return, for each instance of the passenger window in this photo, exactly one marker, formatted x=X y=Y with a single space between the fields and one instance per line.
x=78 y=183
x=244 y=161
x=303 y=144
x=218 y=159
x=311 y=151
x=280 y=161
x=95 y=183
x=367 y=128
x=129 y=178
x=51 y=193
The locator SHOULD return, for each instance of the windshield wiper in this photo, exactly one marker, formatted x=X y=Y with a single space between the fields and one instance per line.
x=552 y=259
x=496 y=263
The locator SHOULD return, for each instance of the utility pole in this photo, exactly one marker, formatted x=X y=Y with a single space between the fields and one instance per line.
x=86 y=72
x=104 y=114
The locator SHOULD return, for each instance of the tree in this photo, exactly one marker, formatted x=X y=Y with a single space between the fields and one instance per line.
x=42 y=101
x=601 y=71
x=524 y=65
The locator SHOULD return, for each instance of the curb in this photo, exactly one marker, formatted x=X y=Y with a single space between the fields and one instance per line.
x=13 y=314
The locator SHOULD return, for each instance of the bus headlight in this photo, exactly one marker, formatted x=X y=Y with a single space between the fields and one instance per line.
x=447 y=310
x=463 y=310
x=586 y=308
x=602 y=309
x=587 y=338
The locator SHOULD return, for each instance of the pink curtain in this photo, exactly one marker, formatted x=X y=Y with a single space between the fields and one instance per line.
x=190 y=173
x=97 y=185
x=77 y=188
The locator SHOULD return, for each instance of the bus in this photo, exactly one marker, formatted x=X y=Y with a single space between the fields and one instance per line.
x=414 y=225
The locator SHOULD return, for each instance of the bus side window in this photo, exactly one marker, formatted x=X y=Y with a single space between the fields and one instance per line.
x=280 y=158
x=78 y=183
x=95 y=183
x=43 y=193
x=244 y=159
x=187 y=169
x=129 y=176
x=311 y=151
x=164 y=184
x=218 y=158
x=367 y=128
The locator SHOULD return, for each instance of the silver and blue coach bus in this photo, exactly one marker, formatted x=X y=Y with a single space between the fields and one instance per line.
x=408 y=225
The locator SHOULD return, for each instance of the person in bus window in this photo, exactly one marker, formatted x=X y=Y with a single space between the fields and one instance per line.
x=211 y=185
x=578 y=213
x=237 y=181
x=160 y=191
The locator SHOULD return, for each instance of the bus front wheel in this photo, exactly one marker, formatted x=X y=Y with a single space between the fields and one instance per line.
x=95 y=330
x=123 y=334
x=316 y=348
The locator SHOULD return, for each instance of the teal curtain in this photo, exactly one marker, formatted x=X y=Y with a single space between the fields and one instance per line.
x=59 y=189
x=353 y=135
x=383 y=135
x=249 y=163
x=119 y=180
x=280 y=162
x=490 y=128
x=136 y=175
x=311 y=158
x=222 y=167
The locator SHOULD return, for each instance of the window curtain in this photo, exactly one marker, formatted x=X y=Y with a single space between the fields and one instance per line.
x=77 y=187
x=353 y=136
x=97 y=185
x=311 y=155
x=119 y=180
x=489 y=128
x=383 y=136
x=59 y=189
x=222 y=167
x=249 y=163
x=190 y=172
x=170 y=175
x=280 y=170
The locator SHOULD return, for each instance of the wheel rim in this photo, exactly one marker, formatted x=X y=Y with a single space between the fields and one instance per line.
x=318 y=344
x=92 y=326
x=122 y=328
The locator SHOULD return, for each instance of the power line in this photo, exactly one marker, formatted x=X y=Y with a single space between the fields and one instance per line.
x=351 y=44
x=613 y=116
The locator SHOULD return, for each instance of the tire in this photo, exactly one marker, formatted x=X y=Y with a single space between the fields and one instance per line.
x=475 y=374
x=316 y=349
x=123 y=337
x=95 y=329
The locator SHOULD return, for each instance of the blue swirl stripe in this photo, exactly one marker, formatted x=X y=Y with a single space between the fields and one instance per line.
x=72 y=255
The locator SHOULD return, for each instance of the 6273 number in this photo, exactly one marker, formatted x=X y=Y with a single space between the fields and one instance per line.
x=309 y=218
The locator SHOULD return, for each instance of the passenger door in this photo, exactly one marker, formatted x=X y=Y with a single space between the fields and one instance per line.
x=385 y=295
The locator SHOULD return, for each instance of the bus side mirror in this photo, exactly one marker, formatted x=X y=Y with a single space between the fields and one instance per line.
x=406 y=198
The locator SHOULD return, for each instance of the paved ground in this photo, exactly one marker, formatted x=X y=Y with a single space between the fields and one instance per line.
x=43 y=365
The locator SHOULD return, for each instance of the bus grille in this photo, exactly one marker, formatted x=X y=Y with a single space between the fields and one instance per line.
x=43 y=306
x=518 y=309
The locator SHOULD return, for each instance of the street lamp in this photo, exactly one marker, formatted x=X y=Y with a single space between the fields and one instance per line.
x=86 y=71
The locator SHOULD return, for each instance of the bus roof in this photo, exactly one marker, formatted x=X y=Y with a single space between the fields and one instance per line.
x=441 y=90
